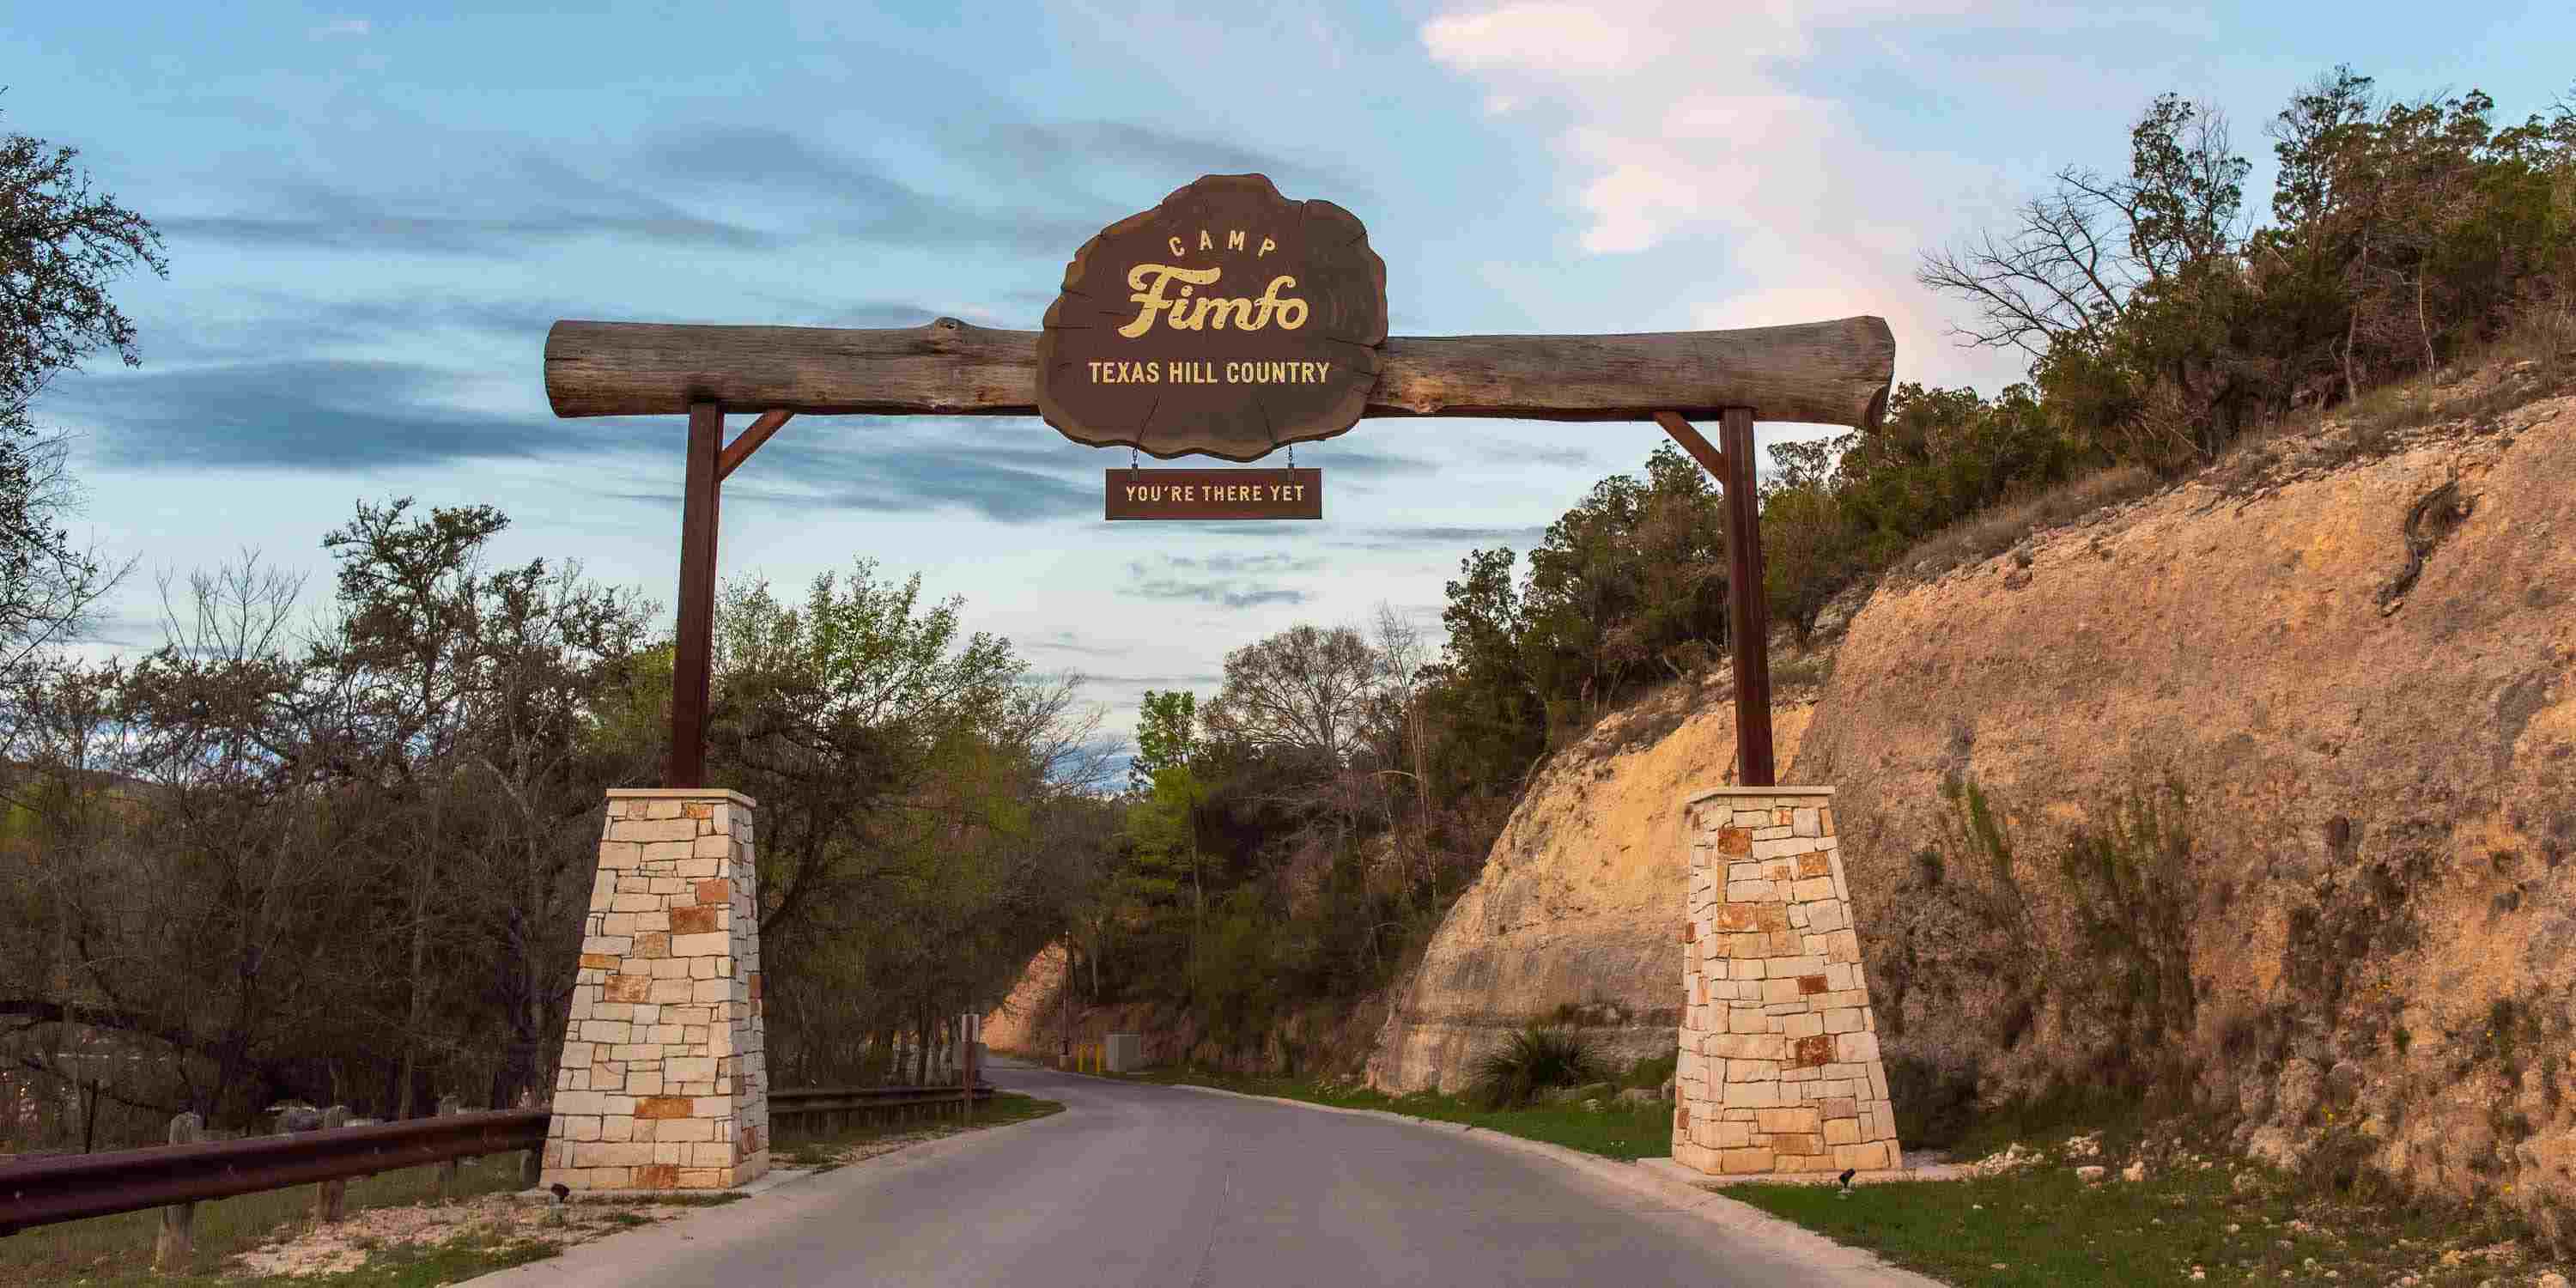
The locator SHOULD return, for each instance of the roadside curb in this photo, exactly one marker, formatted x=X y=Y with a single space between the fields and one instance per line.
x=582 y=1262
x=939 y=1147
x=787 y=1174
x=1846 y=1264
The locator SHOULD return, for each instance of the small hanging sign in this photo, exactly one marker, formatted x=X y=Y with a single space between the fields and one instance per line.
x=1215 y=494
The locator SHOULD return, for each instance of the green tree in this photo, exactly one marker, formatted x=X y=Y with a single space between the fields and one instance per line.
x=1483 y=696
x=61 y=245
x=412 y=592
x=1166 y=734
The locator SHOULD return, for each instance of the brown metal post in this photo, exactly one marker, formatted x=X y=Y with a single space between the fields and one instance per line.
x=687 y=763
x=1748 y=618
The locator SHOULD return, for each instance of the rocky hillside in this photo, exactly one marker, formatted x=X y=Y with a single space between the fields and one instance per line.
x=2271 y=778
x=1575 y=914
x=1033 y=1021
x=2265 y=783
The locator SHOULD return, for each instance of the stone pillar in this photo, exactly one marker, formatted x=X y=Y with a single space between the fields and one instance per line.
x=664 y=1084
x=1780 y=1074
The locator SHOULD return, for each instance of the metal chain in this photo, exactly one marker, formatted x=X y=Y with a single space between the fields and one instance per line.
x=1292 y=456
x=1131 y=456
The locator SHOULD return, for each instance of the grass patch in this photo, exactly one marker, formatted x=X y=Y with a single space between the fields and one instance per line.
x=718 y=1199
x=826 y=1150
x=2043 y=1225
x=404 y=1267
x=1806 y=670
x=1650 y=1073
x=1995 y=530
x=1617 y=1131
x=109 y=1251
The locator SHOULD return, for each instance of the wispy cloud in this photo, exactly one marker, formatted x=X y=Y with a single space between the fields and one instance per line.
x=1689 y=120
x=509 y=205
x=1069 y=158
x=1219 y=581
x=342 y=28
x=541 y=201
x=1451 y=539
x=306 y=414
x=1233 y=564
x=1214 y=594
x=1068 y=642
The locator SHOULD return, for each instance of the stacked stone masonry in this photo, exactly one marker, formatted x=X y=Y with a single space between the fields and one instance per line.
x=662 y=1084
x=1780 y=1071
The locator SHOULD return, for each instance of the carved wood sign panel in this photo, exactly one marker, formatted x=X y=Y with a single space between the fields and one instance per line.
x=1227 y=321
x=1214 y=494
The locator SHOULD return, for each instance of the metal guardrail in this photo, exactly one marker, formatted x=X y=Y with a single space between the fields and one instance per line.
x=822 y=1100
x=44 y=1191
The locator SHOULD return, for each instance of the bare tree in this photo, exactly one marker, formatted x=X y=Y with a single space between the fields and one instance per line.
x=2078 y=255
x=1404 y=657
x=1303 y=689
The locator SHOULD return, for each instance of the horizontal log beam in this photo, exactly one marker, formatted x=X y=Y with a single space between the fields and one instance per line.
x=1833 y=373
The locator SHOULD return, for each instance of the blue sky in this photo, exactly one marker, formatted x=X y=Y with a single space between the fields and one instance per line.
x=374 y=214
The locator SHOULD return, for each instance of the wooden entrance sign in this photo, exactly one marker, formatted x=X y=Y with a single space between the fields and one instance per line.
x=1228 y=321
x=1832 y=373
x=1215 y=494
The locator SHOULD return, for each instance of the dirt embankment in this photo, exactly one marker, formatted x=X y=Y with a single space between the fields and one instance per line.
x=1576 y=913
x=2270 y=780
x=1033 y=1021
x=2265 y=783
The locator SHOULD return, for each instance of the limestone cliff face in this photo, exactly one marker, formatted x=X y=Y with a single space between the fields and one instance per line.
x=1033 y=1021
x=1580 y=902
x=2265 y=782
x=2216 y=782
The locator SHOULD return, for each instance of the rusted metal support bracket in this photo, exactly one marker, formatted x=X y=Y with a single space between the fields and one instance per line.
x=752 y=436
x=1682 y=432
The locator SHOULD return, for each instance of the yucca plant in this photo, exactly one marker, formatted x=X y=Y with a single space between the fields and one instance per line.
x=1530 y=1060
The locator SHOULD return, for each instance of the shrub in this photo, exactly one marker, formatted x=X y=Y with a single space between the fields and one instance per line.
x=1650 y=1073
x=1530 y=1060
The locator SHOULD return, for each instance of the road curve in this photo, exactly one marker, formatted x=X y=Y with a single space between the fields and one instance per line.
x=1171 y=1188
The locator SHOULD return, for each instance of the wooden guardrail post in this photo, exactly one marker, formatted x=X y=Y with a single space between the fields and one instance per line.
x=531 y=1162
x=178 y=1238
x=329 y=1197
x=443 y=1188
x=966 y=1027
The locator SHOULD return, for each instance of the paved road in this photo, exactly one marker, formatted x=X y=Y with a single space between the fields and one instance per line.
x=1171 y=1188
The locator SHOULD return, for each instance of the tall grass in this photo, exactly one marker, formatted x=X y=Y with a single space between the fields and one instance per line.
x=1532 y=1060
